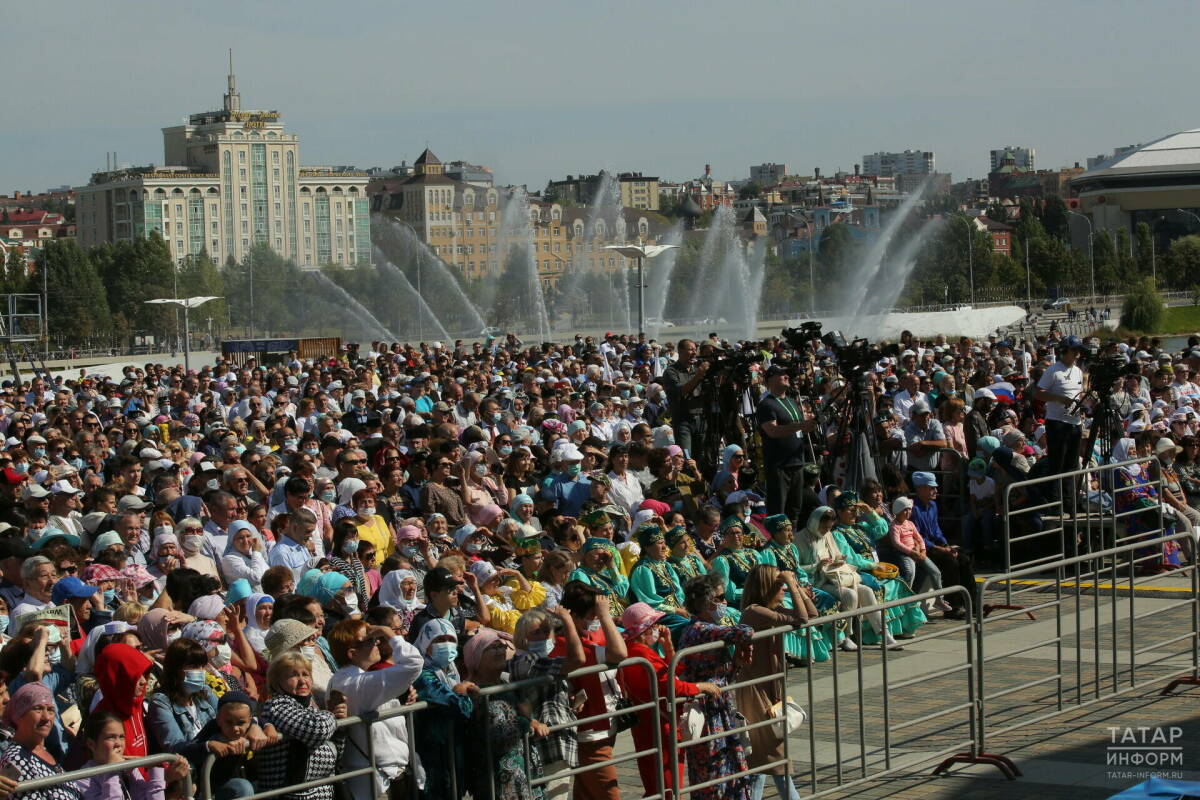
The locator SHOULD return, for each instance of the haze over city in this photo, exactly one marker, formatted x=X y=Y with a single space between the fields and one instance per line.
x=537 y=91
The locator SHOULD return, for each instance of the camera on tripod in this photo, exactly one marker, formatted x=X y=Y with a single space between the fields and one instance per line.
x=734 y=364
x=1105 y=371
x=799 y=338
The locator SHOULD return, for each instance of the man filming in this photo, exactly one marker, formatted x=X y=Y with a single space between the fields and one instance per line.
x=783 y=424
x=1059 y=388
x=682 y=382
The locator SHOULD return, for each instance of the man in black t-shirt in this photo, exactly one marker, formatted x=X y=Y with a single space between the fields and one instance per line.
x=783 y=424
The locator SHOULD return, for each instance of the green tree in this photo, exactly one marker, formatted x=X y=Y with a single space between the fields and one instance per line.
x=199 y=277
x=996 y=212
x=265 y=293
x=77 y=308
x=1143 y=308
x=1127 y=268
x=1105 y=261
x=1143 y=245
x=1182 y=262
x=749 y=191
x=1054 y=217
x=134 y=272
x=16 y=273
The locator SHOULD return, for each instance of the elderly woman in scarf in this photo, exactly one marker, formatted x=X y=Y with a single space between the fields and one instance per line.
x=1133 y=492
x=335 y=592
x=857 y=538
x=166 y=555
x=598 y=569
x=244 y=556
x=781 y=552
x=654 y=581
x=399 y=592
x=444 y=723
x=822 y=557
x=725 y=482
x=503 y=721
x=31 y=714
x=734 y=560
x=258 y=620
x=521 y=510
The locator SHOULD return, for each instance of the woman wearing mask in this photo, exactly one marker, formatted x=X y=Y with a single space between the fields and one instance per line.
x=723 y=757
x=371 y=526
x=479 y=491
x=244 y=556
x=190 y=532
x=335 y=593
x=166 y=554
x=644 y=638
x=443 y=725
x=344 y=558
x=210 y=636
x=184 y=703
x=416 y=548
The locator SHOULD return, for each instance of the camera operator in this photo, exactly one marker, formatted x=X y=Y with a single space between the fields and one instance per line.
x=783 y=424
x=682 y=382
x=1059 y=387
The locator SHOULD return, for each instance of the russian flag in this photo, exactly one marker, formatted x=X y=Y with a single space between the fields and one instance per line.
x=1005 y=392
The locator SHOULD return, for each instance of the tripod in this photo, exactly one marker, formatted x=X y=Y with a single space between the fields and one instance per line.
x=855 y=440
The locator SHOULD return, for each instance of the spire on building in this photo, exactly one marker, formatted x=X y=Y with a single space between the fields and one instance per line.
x=233 y=100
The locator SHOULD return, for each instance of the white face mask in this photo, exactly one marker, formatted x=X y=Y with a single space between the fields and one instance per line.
x=223 y=655
x=309 y=651
x=192 y=542
x=351 y=601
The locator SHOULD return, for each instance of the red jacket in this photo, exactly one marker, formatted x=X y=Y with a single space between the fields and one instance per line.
x=118 y=669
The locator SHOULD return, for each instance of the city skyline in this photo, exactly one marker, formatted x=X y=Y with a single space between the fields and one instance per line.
x=526 y=103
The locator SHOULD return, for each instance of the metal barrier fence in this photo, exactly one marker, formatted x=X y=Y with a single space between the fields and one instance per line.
x=103 y=770
x=1089 y=570
x=1047 y=520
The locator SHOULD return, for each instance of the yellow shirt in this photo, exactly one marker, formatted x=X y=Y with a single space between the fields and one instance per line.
x=376 y=532
x=523 y=601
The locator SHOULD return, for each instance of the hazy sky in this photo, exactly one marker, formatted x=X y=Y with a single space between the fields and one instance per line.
x=537 y=90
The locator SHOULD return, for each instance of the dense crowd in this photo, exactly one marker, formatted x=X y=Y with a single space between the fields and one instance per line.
x=222 y=563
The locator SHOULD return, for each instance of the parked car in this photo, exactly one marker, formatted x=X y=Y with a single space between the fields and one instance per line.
x=1058 y=304
x=655 y=322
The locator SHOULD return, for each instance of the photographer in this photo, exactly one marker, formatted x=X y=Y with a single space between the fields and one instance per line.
x=783 y=424
x=1059 y=387
x=682 y=382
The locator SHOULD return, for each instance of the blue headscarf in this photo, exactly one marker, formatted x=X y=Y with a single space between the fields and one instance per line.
x=235 y=527
x=308 y=583
x=328 y=587
x=518 y=501
x=725 y=471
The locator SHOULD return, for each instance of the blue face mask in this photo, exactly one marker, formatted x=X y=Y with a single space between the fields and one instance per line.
x=193 y=681
x=77 y=463
x=241 y=448
x=329 y=495
x=186 y=443
x=506 y=451
x=350 y=546
x=443 y=654
x=541 y=648
x=720 y=611
x=110 y=596
x=574 y=469
x=312 y=451
x=21 y=469
x=39 y=452
x=3 y=621
x=496 y=418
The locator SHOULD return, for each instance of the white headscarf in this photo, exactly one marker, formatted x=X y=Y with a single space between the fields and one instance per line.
x=346 y=490
x=87 y=654
x=431 y=630
x=390 y=593
x=1126 y=450
x=255 y=634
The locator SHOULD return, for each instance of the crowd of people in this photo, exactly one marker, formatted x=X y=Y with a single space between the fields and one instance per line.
x=222 y=563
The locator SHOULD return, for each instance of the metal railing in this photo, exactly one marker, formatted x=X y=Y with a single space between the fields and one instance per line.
x=1080 y=573
x=1052 y=524
x=103 y=770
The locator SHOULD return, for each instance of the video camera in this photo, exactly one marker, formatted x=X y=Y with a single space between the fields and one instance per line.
x=733 y=364
x=1105 y=371
x=798 y=338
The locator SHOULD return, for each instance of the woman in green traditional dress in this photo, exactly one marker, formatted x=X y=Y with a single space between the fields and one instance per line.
x=733 y=562
x=653 y=580
x=687 y=562
x=856 y=531
x=781 y=552
x=597 y=570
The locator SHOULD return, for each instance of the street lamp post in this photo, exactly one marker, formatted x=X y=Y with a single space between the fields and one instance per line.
x=187 y=303
x=1091 y=247
x=641 y=252
x=970 y=254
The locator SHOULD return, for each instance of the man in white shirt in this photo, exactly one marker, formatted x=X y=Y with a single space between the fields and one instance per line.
x=910 y=392
x=1060 y=386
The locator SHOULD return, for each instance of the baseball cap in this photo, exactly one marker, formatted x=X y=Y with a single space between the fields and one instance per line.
x=71 y=586
x=924 y=479
x=920 y=407
x=131 y=502
x=439 y=579
x=64 y=487
x=33 y=491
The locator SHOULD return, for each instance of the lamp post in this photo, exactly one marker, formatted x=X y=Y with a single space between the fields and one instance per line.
x=641 y=252
x=187 y=303
x=971 y=253
x=1091 y=246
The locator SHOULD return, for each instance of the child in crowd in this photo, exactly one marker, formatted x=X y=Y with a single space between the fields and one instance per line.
x=906 y=540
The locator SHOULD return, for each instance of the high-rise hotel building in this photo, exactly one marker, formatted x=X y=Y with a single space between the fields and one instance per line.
x=231 y=179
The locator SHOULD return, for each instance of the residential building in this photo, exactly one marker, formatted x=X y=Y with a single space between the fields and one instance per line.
x=462 y=224
x=768 y=174
x=470 y=173
x=636 y=190
x=231 y=179
x=1022 y=157
x=1001 y=233
x=27 y=200
x=28 y=231
x=910 y=162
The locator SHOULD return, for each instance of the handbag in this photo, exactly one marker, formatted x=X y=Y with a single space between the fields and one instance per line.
x=622 y=720
x=789 y=717
x=691 y=720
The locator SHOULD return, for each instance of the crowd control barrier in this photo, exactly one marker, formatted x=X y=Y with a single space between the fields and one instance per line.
x=1111 y=660
x=1056 y=517
x=39 y=784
